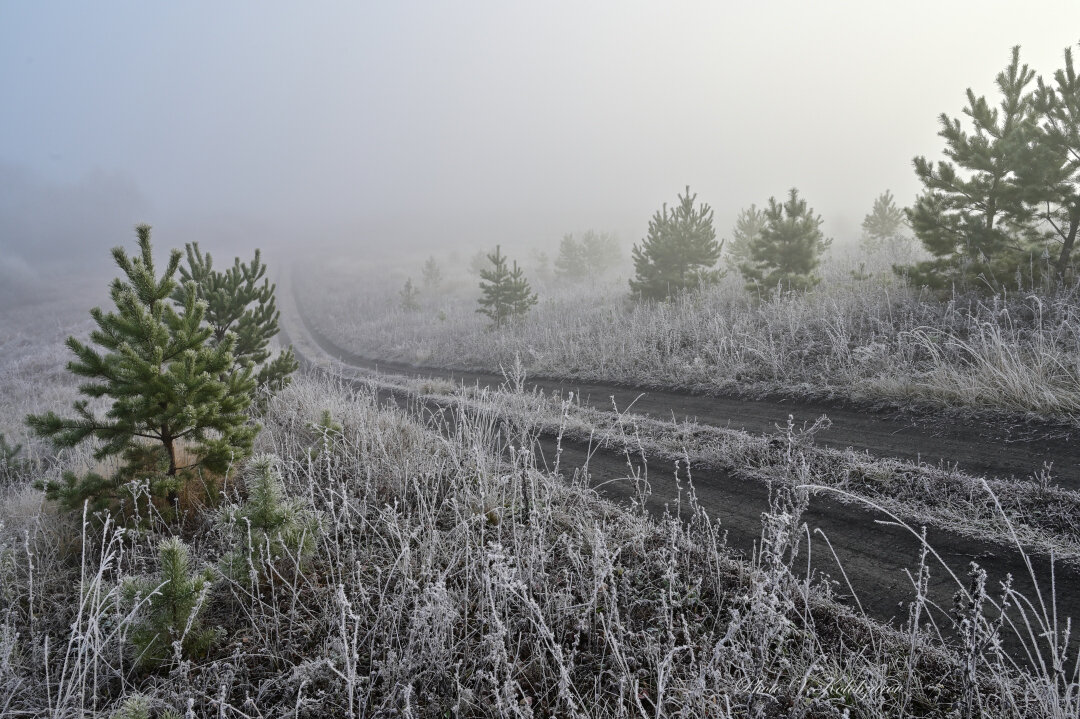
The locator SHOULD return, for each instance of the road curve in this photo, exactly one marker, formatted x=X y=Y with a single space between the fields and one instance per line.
x=875 y=554
x=976 y=447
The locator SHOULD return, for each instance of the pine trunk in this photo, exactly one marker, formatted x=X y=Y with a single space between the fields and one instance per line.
x=1066 y=248
x=170 y=448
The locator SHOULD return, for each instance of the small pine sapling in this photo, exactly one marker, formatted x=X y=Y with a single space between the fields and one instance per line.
x=883 y=227
x=171 y=602
x=570 y=263
x=788 y=248
x=268 y=529
x=679 y=253
x=505 y=293
x=140 y=706
x=325 y=430
x=11 y=465
x=600 y=251
x=746 y=232
x=409 y=296
x=432 y=274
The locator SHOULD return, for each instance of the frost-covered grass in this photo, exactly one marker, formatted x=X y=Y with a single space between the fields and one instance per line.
x=869 y=339
x=1039 y=516
x=451 y=577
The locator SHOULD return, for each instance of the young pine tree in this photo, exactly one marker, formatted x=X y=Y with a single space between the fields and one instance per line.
x=169 y=383
x=237 y=304
x=570 y=263
x=269 y=528
x=594 y=254
x=747 y=230
x=409 y=296
x=883 y=228
x=678 y=253
x=171 y=603
x=11 y=465
x=788 y=248
x=600 y=250
x=505 y=293
x=140 y=706
x=1054 y=171
x=975 y=215
x=431 y=274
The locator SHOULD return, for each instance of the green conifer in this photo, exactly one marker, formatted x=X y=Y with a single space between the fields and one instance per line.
x=140 y=706
x=11 y=465
x=409 y=296
x=570 y=263
x=432 y=274
x=975 y=214
x=268 y=528
x=678 y=253
x=595 y=254
x=883 y=227
x=170 y=604
x=1054 y=171
x=787 y=250
x=747 y=230
x=505 y=293
x=169 y=384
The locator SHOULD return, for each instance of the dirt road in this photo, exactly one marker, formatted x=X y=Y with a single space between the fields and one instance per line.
x=976 y=447
x=875 y=555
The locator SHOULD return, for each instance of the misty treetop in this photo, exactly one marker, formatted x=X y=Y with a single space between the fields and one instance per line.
x=1004 y=206
x=679 y=252
x=885 y=225
x=787 y=249
x=505 y=293
x=747 y=228
x=431 y=273
x=594 y=254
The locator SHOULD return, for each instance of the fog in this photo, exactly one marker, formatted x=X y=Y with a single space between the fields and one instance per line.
x=426 y=126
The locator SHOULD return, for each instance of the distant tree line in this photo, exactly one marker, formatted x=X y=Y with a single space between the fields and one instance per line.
x=1001 y=210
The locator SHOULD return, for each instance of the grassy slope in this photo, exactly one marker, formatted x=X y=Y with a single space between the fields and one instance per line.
x=448 y=578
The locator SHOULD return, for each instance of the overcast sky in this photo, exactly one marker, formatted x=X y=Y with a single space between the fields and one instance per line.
x=466 y=123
